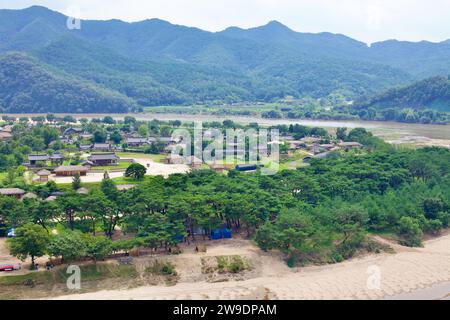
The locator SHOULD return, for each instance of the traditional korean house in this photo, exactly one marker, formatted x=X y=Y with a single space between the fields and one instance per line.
x=83 y=191
x=85 y=147
x=72 y=131
x=37 y=159
x=57 y=159
x=29 y=195
x=5 y=136
x=347 y=146
x=104 y=159
x=167 y=140
x=70 y=171
x=102 y=147
x=12 y=192
x=88 y=164
x=136 y=142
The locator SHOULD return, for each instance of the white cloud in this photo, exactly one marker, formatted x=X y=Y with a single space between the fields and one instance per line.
x=367 y=20
x=374 y=17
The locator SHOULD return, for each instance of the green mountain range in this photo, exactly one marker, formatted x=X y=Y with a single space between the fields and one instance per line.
x=153 y=62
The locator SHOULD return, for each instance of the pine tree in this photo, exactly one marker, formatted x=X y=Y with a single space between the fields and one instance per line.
x=76 y=182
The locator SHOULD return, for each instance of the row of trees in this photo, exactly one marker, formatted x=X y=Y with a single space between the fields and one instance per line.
x=366 y=113
x=34 y=241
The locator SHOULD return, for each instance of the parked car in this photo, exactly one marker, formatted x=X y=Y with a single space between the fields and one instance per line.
x=11 y=233
x=10 y=267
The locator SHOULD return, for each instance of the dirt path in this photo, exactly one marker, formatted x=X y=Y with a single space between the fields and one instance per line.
x=161 y=169
x=6 y=258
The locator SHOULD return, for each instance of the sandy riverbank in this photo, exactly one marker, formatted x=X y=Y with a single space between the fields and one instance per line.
x=406 y=271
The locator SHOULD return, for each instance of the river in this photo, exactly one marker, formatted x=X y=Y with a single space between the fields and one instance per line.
x=437 y=292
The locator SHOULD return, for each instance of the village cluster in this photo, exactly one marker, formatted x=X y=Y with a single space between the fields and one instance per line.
x=90 y=158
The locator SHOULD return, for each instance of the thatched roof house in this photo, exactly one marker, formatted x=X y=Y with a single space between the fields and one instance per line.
x=12 y=192
x=83 y=191
x=30 y=195
x=67 y=171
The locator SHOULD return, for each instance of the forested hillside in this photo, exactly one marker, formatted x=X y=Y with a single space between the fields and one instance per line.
x=27 y=86
x=433 y=93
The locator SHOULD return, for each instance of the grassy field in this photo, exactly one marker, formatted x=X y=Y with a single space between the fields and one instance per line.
x=294 y=161
x=125 y=180
x=117 y=181
x=121 y=165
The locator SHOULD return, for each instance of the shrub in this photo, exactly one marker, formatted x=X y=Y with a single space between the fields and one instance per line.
x=163 y=268
x=410 y=232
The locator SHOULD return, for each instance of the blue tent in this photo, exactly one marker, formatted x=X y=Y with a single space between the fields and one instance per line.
x=246 y=167
x=179 y=239
x=227 y=233
x=216 y=235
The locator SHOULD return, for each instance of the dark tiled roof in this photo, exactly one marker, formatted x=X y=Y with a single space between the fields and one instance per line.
x=350 y=144
x=137 y=140
x=56 y=156
x=102 y=145
x=103 y=156
x=38 y=157
x=78 y=130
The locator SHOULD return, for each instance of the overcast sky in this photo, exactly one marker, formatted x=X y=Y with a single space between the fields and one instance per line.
x=365 y=20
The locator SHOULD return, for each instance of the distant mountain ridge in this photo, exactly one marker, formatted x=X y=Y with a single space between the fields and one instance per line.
x=154 y=62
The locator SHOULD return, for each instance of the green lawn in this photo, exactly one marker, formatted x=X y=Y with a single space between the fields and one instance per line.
x=117 y=181
x=294 y=161
x=125 y=180
x=121 y=165
x=4 y=175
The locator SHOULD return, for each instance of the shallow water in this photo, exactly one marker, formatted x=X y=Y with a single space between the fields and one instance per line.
x=437 y=292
